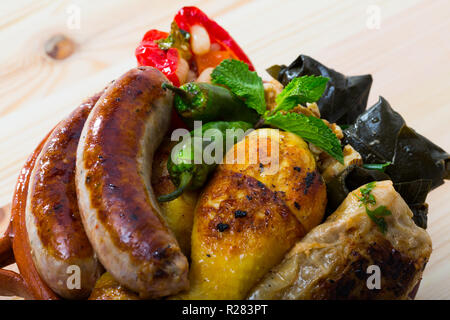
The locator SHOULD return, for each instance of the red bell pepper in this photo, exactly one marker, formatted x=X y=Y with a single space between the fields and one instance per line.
x=188 y=17
x=149 y=54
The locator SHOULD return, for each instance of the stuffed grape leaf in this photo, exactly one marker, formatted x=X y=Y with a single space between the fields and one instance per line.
x=418 y=165
x=345 y=97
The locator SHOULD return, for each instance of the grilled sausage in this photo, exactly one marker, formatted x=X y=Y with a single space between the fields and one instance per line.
x=178 y=214
x=118 y=208
x=37 y=288
x=53 y=222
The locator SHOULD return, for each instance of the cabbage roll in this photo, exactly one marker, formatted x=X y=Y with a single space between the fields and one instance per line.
x=338 y=259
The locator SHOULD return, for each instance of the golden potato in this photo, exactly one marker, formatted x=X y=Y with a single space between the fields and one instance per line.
x=107 y=288
x=178 y=213
x=295 y=178
x=247 y=217
x=235 y=240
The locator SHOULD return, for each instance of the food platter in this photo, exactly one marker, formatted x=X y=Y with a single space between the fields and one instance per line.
x=405 y=116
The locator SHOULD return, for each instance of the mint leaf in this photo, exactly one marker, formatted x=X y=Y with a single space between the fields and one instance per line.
x=309 y=128
x=377 y=166
x=300 y=91
x=242 y=82
x=378 y=215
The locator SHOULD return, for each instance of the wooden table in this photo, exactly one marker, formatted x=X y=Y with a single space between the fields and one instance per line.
x=407 y=51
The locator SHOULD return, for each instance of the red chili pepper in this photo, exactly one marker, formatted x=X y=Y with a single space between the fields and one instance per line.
x=149 y=54
x=188 y=17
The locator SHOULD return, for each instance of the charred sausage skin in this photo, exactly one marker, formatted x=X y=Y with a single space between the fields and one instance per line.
x=53 y=222
x=119 y=210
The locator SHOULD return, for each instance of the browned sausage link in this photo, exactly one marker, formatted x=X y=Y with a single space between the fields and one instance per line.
x=118 y=207
x=60 y=247
x=19 y=238
x=12 y=284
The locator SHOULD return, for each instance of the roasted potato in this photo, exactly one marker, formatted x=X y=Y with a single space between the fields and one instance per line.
x=294 y=177
x=178 y=213
x=107 y=288
x=250 y=214
x=332 y=260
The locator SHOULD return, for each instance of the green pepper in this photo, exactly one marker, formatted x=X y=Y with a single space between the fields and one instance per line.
x=209 y=102
x=184 y=172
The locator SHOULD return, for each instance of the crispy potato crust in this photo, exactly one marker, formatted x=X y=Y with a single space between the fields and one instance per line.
x=237 y=236
x=294 y=178
x=251 y=213
x=107 y=288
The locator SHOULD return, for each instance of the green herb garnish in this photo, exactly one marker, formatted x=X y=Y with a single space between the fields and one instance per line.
x=242 y=82
x=248 y=86
x=366 y=195
x=300 y=91
x=177 y=38
x=377 y=166
x=311 y=129
x=378 y=215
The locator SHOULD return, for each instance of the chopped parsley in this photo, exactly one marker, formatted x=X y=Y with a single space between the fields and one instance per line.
x=377 y=215
x=366 y=195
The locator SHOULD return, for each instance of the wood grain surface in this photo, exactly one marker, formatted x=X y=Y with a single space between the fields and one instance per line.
x=407 y=53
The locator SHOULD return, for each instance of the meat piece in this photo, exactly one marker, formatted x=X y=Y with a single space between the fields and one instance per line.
x=332 y=260
x=118 y=207
x=60 y=247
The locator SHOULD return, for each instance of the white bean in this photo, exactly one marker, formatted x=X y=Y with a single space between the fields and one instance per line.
x=182 y=70
x=200 y=42
x=205 y=76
